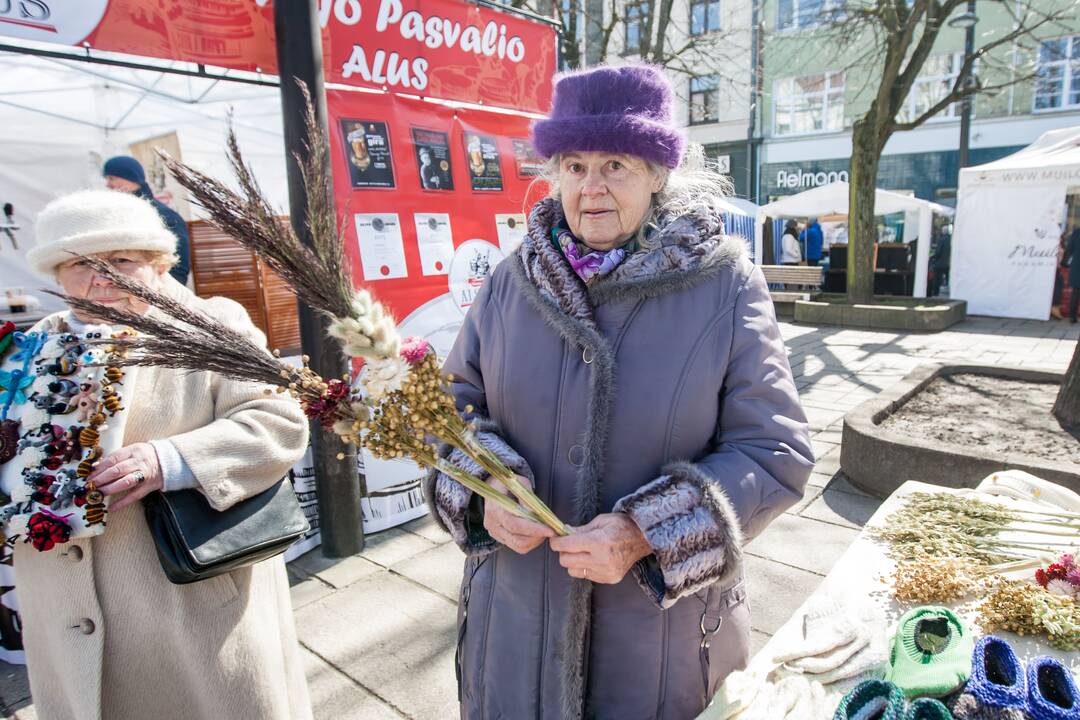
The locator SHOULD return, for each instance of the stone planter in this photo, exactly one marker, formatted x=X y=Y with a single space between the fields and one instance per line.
x=878 y=461
x=886 y=313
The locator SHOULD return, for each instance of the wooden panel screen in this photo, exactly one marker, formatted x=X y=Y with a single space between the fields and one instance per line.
x=221 y=266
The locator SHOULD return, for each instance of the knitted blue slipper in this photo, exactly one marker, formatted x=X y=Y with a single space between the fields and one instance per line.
x=872 y=700
x=1052 y=693
x=927 y=709
x=997 y=688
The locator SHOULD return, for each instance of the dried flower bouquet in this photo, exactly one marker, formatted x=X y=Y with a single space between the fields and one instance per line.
x=406 y=410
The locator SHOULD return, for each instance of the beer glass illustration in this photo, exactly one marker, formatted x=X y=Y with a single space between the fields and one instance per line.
x=476 y=157
x=358 y=143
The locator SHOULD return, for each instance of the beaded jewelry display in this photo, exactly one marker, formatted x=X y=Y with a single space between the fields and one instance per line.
x=61 y=411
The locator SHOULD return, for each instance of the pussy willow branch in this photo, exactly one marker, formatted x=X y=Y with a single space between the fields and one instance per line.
x=318 y=276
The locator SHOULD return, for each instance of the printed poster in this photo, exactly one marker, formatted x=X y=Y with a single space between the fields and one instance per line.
x=382 y=248
x=367 y=153
x=435 y=241
x=510 y=228
x=433 y=159
x=529 y=164
x=482 y=156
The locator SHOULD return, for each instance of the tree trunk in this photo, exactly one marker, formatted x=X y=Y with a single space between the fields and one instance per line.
x=862 y=231
x=1067 y=406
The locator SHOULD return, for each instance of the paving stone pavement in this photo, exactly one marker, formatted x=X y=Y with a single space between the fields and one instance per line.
x=377 y=629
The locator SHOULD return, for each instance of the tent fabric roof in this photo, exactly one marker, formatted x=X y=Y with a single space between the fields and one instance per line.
x=832 y=199
x=1055 y=156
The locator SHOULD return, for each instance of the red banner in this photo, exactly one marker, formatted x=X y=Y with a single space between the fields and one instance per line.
x=434 y=198
x=447 y=49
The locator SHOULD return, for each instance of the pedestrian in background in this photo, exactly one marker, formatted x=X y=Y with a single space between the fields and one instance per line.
x=1072 y=252
x=790 y=251
x=813 y=239
x=126 y=174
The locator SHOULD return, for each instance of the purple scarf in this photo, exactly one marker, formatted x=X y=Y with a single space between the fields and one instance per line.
x=589 y=264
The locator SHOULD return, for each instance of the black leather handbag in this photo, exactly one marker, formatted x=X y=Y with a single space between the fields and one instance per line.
x=196 y=542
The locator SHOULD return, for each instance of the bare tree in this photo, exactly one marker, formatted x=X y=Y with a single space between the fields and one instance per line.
x=892 y=40
x=597 y=31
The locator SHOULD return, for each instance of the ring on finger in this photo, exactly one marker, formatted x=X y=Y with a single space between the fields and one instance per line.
x=139 y=477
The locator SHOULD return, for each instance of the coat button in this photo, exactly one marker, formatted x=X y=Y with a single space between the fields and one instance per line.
x=86 y=626
x=587 y=355
x=576 y=455
x=74 y=554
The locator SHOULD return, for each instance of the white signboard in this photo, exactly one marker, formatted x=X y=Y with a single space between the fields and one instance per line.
x=1004 y=249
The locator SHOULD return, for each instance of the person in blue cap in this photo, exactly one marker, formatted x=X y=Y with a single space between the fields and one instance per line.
x=126 y=174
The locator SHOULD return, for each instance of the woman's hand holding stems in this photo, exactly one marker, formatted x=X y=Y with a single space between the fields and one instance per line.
x=603 y=550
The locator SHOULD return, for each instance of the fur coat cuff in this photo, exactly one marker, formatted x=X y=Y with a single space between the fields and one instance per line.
x=692 y=528
x=457 y=510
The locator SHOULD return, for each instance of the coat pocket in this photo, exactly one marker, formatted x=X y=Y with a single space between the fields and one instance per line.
x=725 y=635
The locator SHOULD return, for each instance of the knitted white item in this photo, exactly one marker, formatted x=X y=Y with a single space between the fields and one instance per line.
x=776 y=700
x=832 y=659
x=736 y=694
x=827 y=625
x=90 y=222
x=1025 y=486
x=810 y=704
x=873 y=658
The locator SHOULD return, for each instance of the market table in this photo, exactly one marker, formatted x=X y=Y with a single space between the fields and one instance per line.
x=865 y=571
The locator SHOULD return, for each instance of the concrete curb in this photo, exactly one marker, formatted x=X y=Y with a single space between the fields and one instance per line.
x=930 y=316
x=878 y=461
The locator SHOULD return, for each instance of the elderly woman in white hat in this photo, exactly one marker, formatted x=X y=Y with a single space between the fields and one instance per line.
x=106 y=634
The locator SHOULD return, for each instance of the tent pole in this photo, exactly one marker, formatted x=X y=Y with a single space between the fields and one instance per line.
x=299 y=56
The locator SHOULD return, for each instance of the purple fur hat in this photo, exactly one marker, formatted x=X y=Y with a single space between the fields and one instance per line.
x=627 y=109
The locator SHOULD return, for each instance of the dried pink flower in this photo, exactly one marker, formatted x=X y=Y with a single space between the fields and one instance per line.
x=414 y=349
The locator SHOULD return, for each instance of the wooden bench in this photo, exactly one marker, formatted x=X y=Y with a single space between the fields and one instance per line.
x=803 y=275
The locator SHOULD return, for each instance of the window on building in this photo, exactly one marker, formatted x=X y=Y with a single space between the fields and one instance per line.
x=637 y=14
x=935 y=81
x=1057 y=77
x=807 y=104
x=801 y=14
x=704 y=16
x=704 y=99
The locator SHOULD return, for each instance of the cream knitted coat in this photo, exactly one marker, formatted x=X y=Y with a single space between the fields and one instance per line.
x=107 y=636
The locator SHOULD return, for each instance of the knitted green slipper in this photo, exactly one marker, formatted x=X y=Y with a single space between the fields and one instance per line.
x=931 y=653
x=872 y=700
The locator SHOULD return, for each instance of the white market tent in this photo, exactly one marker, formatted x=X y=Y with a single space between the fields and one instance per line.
x=1010 y=216
x=832 y=199
x=62 y=119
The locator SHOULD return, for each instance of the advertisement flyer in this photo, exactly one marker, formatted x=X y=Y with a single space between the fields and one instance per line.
x=529 y=164
x=367 y=149
x=482 y=156
x=433 y=159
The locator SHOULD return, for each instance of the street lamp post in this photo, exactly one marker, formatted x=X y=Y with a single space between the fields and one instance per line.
x=967 y=21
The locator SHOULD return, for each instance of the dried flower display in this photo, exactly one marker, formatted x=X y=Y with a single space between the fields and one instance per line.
x=945 y=525
x=1027 y=609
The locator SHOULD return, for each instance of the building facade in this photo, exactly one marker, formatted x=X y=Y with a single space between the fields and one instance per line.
x=811 y=94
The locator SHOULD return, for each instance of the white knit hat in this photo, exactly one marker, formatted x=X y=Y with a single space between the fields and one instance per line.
x=90 y=222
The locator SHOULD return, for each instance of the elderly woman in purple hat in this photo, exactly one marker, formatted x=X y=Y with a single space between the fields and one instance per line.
x=626 y=362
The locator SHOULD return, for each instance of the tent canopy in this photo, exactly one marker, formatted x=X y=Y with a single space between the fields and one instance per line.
x=1052 y=159
x=832 y=199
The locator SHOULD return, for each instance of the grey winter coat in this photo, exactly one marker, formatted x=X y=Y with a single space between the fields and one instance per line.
x=662 y=391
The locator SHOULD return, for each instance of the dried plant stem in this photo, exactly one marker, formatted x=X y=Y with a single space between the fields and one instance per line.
x=527 y=497
x=483 y=489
